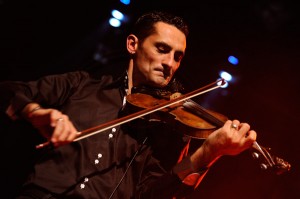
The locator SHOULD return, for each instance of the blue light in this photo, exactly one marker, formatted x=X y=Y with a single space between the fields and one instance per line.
x=126 y=2
x=114 y=22
x=117 y=14
x=233 y=60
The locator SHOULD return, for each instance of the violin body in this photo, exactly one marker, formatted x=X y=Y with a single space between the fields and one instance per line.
x=177 y=116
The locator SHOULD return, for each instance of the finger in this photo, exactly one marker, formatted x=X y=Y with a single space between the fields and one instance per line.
x=235 y=125
x=244 y=129
x=55 y=116
x=67 y=130
x=228 y=124
x=58 y=129
x=251 y=135
x=64 y=130
x=73 y=132
x=249 y=140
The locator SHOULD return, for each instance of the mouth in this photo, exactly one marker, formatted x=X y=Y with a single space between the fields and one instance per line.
x=162 y=72
x=159 y=71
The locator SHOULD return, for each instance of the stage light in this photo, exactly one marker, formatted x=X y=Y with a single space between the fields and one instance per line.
x=225 y=75
x=126 y=2
x=117 y=14
x=233 y=60
x=114 y=22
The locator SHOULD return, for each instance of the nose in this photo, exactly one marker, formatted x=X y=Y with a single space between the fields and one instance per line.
x=168 y=61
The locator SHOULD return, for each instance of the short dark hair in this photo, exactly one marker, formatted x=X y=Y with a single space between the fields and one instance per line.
x=144 y=26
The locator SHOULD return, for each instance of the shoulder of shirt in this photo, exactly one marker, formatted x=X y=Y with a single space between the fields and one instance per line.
x=115 y=69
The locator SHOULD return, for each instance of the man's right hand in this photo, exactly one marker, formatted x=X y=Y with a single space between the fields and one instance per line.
x=51 y=123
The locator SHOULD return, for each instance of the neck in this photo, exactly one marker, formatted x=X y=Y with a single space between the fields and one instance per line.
x=130 y=74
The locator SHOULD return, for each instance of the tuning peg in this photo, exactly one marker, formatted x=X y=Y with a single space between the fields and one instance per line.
x=263 y=166
x=255 y=155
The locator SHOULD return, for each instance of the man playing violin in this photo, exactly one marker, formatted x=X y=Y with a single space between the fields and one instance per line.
x=123 y=161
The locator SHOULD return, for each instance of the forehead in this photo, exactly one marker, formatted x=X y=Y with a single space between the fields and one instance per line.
x=170 y=35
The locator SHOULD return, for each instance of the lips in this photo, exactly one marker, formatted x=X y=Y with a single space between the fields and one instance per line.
x=160 y=71
x=164 y=73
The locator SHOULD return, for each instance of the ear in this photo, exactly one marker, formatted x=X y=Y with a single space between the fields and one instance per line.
x=132 y=42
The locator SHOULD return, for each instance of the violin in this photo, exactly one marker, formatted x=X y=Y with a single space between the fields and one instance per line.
x=185 y=115
x=198 y=122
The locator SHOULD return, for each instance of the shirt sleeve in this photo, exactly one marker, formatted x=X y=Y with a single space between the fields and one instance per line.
x=192 y=177
x=169 y=185
x=161 y=181
x=52 y=90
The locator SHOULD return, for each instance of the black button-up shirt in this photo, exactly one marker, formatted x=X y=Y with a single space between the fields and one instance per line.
x=94 y=166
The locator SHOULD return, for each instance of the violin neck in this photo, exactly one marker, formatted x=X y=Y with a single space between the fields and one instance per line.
x=198 y=110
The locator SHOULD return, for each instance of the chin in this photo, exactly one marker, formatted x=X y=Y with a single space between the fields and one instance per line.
x=160 y=82
x=164 y=84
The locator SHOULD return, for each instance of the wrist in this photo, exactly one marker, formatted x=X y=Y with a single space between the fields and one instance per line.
x=188 y=174
x=204 y=157
x=186 y=167
x=34 y=109
x=29 y=109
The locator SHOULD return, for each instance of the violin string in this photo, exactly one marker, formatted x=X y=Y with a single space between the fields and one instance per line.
x=201 y=111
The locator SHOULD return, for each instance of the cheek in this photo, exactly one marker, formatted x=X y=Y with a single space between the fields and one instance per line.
x=175 y=68
x=148 y=61
x=151 y=57
x=144 y=62
x=145 y=56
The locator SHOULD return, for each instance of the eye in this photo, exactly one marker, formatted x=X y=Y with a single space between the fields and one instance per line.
x=178 y=56
x=163 y=48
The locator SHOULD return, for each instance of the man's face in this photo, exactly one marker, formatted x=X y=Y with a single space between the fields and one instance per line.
x=159 y=56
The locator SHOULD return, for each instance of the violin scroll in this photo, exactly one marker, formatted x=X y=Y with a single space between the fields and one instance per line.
x=268 y=161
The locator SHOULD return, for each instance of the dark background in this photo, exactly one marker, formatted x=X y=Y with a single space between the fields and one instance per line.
x=47 y=37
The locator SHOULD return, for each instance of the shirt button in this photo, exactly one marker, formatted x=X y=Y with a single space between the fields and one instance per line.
x=99 y=155
x=110 y=136
x=113 y=130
